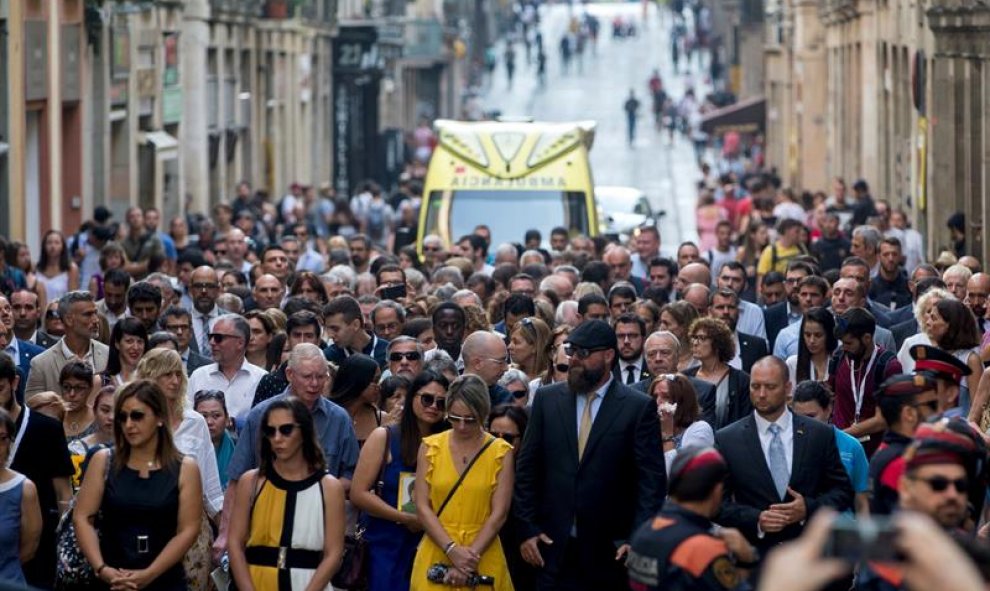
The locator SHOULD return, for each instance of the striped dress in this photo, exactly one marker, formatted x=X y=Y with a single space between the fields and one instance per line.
x=286 y=529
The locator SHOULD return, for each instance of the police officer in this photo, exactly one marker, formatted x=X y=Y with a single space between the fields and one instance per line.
x=680 y=548
x=947 y=371
x=944 y=469
x=905 y=401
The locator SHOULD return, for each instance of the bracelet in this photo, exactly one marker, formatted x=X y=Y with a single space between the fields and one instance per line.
x=669 y=439
x=99 y=569
x=450 y=546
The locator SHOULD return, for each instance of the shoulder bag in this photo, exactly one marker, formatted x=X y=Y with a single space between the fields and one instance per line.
x=72 y=570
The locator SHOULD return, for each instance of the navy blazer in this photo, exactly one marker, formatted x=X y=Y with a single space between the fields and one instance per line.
x=775 y=318
x=816 y=473
x=751 y=349
x=27 y=351
x=739 y=405
x=903 y=330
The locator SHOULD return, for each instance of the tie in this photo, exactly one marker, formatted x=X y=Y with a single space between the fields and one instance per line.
x=630 y=374
x=204 y=342
x=778 y=461
x=585 y=428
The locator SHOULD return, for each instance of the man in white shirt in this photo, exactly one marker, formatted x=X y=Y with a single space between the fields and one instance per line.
x=647 y=248
x=732 y=275
x=630 y=334
x=230 y=372
x=724 y=251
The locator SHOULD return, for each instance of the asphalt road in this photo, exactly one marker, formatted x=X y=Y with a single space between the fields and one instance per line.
x=596 y=89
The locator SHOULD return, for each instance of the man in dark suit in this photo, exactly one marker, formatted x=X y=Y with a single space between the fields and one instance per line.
x=629 y=333
x=662 y=350
x=782 y=467
x=22 y=352
x=178 y=321
x=724 y=305
x=590 y=470
x=783 y=314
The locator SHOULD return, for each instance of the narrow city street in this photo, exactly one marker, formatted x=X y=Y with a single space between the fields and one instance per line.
x=596 y=89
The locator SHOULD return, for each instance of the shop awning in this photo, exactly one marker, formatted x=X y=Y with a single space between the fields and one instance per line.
x=746 y=116
x=164 y=143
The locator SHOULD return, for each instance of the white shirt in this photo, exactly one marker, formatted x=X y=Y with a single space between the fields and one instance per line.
x=193 y=439
x=14 y=350
x=238 y=391
x=751 y=320
x=698 y=434
x=786 y=422
x=88 y=358
x=736 y=361
x=637 y=364
x=595 y=406
x=904 y=355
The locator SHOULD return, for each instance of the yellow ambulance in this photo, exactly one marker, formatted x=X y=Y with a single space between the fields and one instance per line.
x=512 y=176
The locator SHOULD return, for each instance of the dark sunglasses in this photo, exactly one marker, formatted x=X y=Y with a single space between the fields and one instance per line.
x=410 y=356
x=220 y=337
x=940 y=483
x=509 y=438
x=562 y=367
x=428 y=400
x=52 y=314
x=136 y=416
x=580 y=352
x=528 y=323
x=285 y=429
x=517 y=394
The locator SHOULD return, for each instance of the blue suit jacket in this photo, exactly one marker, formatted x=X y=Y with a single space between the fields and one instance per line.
x=28 y=351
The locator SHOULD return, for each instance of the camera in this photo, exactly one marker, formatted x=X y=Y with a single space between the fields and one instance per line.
x=438 y=572
x=855 y=541
x=394 y=292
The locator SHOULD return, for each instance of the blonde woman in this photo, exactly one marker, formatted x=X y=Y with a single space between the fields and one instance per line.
x=192 y=438
x=531 y=347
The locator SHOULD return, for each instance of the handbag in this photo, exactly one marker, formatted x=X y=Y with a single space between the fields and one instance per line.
x=354 y=565
x=72 y=569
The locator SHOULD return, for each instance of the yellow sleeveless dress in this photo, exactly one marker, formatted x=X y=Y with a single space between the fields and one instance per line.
x=465 y=514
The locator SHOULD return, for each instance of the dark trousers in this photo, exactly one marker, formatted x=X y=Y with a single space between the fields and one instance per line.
x=577 y=573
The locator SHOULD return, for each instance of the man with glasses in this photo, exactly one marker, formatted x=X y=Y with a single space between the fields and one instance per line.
x=485 y=355
x=905 y=402
x=204 y=288
x=178 y=322
x=590 y=470
x=307 y=375
x=387 y=319
x=662 y=351
x=230 y=371
x=732 y=275
x=620 y=262
x=433 y=252
x=629 y=332
x=405 y=357
x=302 y=327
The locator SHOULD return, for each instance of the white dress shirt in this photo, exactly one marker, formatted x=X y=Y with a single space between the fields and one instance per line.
x=636 y=364
x=786 y=422
x=751 y=320
x=595 y=406
x=192 y=438
x=238 y=391
x=697 y=434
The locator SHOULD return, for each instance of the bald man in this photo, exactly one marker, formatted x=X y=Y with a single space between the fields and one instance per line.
x=485 y=355
x=977 y=290
x=267 y=293
x=204 y=289
x=620 y=262
x=689 y=274
x=698 y=295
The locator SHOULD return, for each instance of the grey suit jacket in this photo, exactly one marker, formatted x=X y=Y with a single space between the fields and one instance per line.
x=46 y=367
x=195 y=360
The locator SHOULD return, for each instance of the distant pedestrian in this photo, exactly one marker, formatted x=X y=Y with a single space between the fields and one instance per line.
x=631 y=107
x=565 y=53
x=541 y=67
x=510 y=62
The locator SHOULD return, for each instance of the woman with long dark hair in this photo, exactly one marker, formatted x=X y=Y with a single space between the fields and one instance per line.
x=677 y=318
x=680 y=415
x=289 y=513
x=128 y=342
x=307 y=285
x=262 y=331
x=816 y=345
x=951 y=326
x=56 y=271
x=356 y=389
x=393 y=529
x=148 y=497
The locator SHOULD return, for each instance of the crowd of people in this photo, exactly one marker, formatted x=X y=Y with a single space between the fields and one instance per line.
x=265 y=399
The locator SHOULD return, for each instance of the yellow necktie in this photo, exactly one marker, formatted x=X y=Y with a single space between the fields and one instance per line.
x=585 y=428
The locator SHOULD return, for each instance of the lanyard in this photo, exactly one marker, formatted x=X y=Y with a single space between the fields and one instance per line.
x=25 y=413
x=859 y=392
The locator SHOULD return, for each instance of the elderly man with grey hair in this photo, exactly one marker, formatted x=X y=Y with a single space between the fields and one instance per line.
x=78 y=312
x=662 y=349
x=865 y=244
x=230 y=371
x=434 y=252
x=484 y=354
x=405 y=357
x=567 y=313
x=466 y=297
x=308 y=377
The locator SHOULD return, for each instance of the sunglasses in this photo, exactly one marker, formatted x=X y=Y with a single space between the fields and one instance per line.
x=509 y=438
x=410 y=356
x=528 y=323
x=517 y=394
x=580 y=352
x=285 y=429
x=562 y=367
x=941 y=483
x=438 y=402
x=220 y=337
x=136 y=416
x=51 y=314
x=461 y=420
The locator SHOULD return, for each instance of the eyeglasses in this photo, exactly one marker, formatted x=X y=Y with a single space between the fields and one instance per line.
x=136 y=416
x=700 y=338
x=285 y=429
x=71 y=388
x=498 y=360
x=52 y=314
x=462 y=420
x=204 y=286
x=438 y=402
x=562 y=367
x=409 y=356
x=517 y=394
x=509 y=438
x=628 y=336
x=580 y=352
x=941 y=483
x=220 y=337
x=209 y=395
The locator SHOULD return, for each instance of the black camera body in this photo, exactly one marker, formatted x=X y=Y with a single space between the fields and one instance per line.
x=438 y=572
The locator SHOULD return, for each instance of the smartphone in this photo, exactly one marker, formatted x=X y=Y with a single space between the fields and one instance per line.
x=394 y=292
x=856 y=541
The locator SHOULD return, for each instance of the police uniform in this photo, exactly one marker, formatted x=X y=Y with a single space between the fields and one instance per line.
x=677 y=551
x=941 y=365
x=887 y=465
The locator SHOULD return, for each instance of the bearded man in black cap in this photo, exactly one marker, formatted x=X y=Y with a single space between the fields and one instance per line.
x=590 y=470
x=678 y=549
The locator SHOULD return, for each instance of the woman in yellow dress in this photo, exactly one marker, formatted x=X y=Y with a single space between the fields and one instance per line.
x=464 y=537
